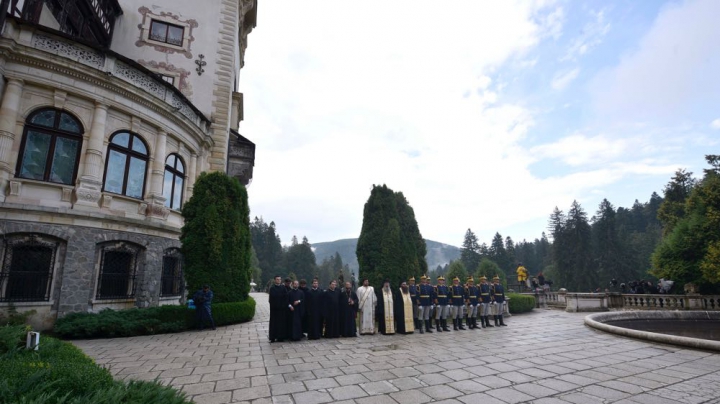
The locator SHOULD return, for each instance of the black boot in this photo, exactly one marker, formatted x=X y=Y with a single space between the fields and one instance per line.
x=455 y=326
x=496 y=320
x=501 y=321
x=469 y=321
x=487 y=322
x=473 y=323
x=445 y=326
x=437 y=325
x=428 y=328
x=419 y=326
x=460 y=324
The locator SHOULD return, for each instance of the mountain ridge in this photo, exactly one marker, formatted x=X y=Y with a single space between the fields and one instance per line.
x=437 y=253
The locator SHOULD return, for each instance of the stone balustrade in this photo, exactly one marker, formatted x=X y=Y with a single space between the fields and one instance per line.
x=576 y=302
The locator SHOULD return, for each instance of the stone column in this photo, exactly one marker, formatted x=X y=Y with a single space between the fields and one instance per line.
x=190 y=178
x=89 y=186
x=8 y=122
x=156 y=205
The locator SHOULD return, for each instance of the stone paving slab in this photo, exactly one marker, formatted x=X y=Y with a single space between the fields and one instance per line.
x=544 y=357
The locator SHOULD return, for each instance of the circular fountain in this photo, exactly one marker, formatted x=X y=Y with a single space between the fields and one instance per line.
x=695 y=329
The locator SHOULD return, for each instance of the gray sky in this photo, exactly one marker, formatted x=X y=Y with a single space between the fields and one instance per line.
x=485 y=114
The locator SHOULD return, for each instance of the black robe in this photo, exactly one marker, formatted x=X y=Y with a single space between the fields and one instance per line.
x=313 y=311
x=278 y=313
x=400 y=313
x=295 y=333
x=348 y=327
x=380 y=312
x=288 y=316
x=305 y=315
x=331 y=312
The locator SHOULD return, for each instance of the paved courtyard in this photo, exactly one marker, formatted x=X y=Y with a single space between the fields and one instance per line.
x=545 y=357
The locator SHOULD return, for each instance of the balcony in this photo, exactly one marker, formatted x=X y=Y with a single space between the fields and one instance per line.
x=88 y=21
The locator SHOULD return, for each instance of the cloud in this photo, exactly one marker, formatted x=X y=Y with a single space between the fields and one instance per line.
x=591 y=36
x=563 y=79
x=580 y=150
x=715 y=124
x=671 y=73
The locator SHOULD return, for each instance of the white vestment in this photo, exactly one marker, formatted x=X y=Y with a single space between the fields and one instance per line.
x=368 y=300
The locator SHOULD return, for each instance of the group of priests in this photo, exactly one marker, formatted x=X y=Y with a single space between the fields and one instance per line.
x=297 y=311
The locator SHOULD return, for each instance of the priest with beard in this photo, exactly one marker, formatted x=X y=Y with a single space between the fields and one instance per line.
x=296 y=303
x=278 y=311
x=386 y=310
x=348 y=310
x=404 y=310
x=313 y=310
x=331 y=311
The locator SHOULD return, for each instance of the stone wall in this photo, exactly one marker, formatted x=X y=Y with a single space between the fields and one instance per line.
x=76 y=270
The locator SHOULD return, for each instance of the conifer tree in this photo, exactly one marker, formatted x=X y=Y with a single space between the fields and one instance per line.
x=390 y=244
x=457 y=268
x=216 y=237
x=470 y=251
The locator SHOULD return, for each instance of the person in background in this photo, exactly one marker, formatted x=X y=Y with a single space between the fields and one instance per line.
x=498 y=294
x=331 y=310
x=278 y=311
x=304 y=288
x=386 y=310
x=368 y=303
x=348 y=311
x=313 y=308
x=203 y=300
x=296 y=305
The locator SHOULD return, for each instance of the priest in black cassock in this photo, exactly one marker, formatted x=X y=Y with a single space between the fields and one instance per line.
x=303 y=287
x=348 y=310
x=278 y=311
x=313 y=310
x=404 y=310
x=296 y=301
x=331 y=310
x=386 y=310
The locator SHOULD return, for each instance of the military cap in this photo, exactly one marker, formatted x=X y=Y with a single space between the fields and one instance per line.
x=496 y=278
x=412 y=278
x=423 y=277
x=470 y=279
x=441 y=278
x=456 y=279
x=483 y=278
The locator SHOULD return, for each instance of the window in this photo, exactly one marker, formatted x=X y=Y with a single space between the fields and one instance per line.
x=167 y=33
x=118 y=267
x=27 y=269
x=126 y=165
x=173 y=182
x=168 y=79
x=50 y=149
x=172 y=277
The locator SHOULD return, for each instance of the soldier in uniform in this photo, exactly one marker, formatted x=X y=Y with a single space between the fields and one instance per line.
x=441 y=301
x=473 y=295
x=426 y=294
x=485 y=301
x=498 y=294
x=457 y=293
x=413 y=290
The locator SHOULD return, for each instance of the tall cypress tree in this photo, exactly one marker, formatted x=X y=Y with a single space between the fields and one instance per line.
x=216 y=237
x=470 y=251
x=390 y=244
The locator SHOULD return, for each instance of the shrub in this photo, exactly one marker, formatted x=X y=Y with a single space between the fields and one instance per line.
x=153 y=320
x=520 y=303
x=216 y=237
x=11 y=338
x=58 y=372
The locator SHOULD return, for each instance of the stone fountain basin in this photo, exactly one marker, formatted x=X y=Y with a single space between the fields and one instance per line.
x=694 y=329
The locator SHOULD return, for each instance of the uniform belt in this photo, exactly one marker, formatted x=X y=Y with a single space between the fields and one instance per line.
x=456 y=297
x=443 y=296
x=484 y=294
x=423 y=296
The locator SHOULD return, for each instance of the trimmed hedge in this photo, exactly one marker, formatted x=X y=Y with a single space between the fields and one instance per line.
x=58 y=372
x=520 y=303
x=153 y=320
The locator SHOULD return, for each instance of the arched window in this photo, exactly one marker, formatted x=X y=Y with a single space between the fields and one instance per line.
x=126 y=165
x=27 y=268
x=50 y=149
x=174 y=181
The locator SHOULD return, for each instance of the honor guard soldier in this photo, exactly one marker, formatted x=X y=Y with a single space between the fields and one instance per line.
x=457 y=292
x=499 y=297
x=485 y=301
x=472 y=294
x=425 y=299
x=413 y=290
x=441 y=301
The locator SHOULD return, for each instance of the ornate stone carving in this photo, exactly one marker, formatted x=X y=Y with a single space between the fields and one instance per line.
x=69 y=50
x=158 y=211
x=86 y=196
x=140 y=79
x=183 y=85
x=182 y=107
x=142 y=208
